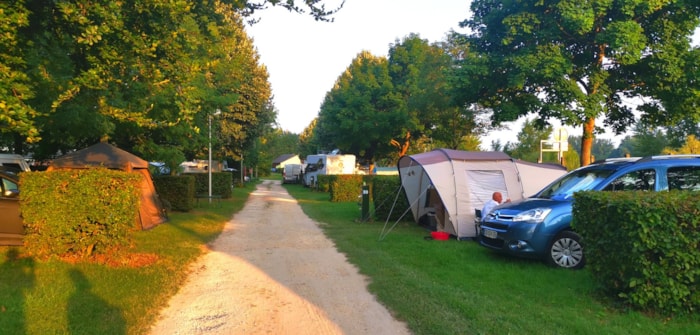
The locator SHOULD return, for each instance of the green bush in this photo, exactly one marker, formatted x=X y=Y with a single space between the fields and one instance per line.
x=346 y=187
x=323 y=183
x=221 y=183
x=178 y=191
x=79 y=212
x=389 y=198
x=643 y=247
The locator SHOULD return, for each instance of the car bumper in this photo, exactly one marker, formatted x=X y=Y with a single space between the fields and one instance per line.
x=520 y=239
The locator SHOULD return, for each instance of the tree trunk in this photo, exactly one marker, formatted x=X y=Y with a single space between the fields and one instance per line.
x=587 y=141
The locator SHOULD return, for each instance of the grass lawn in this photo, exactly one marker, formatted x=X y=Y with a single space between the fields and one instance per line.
x=437 y=287
x=55 y=297
x=458 y=287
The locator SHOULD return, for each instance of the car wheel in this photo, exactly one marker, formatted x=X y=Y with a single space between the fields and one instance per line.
x=566 y=251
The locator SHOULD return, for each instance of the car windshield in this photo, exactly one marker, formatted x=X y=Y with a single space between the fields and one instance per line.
x=583 y=180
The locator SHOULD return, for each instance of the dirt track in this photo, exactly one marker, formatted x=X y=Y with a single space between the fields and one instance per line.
x=272 y=271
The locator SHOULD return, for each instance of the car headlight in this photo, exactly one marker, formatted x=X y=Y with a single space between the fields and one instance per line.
x=536 y=215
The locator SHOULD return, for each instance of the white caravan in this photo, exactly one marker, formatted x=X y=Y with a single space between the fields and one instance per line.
x=327 y=164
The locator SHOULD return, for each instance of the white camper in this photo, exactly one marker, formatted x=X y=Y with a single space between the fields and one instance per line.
x=13 y=163
x=327 y=164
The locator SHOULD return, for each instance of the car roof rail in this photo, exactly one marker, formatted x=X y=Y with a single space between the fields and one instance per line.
x=688 y=156
x=617 y=159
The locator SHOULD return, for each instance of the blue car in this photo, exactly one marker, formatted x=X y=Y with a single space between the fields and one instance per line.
x=540 y=226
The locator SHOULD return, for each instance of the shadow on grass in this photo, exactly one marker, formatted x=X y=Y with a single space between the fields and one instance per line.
x=90 y=314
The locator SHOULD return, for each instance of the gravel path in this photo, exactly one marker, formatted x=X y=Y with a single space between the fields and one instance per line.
x=273 y=271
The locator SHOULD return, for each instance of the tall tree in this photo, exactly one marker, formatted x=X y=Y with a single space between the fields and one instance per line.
x=578 y=61
x=362 y=113
x=422 y=76
x=528 y=146
x=16 y=116
x=147 y=74
x=602 y=148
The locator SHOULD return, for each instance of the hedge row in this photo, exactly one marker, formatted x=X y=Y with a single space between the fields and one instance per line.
x=643 y=247
x=79 y=212
x=385 y=193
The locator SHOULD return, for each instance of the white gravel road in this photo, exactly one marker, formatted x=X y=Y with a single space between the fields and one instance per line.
x=273 y=271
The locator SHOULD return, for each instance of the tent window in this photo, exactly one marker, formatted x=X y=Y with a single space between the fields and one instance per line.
x=483 y=183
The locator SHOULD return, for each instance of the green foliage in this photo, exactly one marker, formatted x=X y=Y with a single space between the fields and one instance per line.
x=221 y=183
x=346 y=187
x=178 y=191
x=144 y=74
x=528 y=146
x=323 y=184
x=389 y=199
x=643 y=247
x=79 y=212
x=579 y=62
x=602 y=148
x=362 y=113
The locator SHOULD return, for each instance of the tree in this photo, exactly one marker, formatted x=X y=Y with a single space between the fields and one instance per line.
x=578 y=61
x=691 y=146
x=528 y=146
x=145 y=74
x=362 y=113
x=646 y=141
x=420 y=73
x=602 y=148
x=16 y=116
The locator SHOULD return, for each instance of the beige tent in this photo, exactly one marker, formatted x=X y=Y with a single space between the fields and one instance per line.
x=105 y=155
x=450 y=185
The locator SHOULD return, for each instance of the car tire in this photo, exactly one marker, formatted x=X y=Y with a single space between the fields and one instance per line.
x=566 y=251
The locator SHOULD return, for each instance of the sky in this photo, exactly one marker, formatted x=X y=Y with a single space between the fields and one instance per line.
x=304 y=57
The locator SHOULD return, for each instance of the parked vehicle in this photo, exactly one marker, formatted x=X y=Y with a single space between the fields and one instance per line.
x=327 y=164
x=540 y=226
x=291 y=174
x=13 y=163
x=11 y=228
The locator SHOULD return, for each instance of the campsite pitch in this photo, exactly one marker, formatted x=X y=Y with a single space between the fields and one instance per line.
x=273 y=271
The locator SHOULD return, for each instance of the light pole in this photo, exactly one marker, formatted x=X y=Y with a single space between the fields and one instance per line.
x=218 y=111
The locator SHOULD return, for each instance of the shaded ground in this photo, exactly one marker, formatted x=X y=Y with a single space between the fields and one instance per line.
x=272 y=271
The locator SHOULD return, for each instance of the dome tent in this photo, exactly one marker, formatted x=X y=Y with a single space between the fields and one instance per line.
x=105 y=155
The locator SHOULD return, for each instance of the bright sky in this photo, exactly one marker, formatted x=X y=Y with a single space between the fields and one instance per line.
x=305 y=57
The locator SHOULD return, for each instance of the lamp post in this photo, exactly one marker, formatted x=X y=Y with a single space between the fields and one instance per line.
x=218 y=111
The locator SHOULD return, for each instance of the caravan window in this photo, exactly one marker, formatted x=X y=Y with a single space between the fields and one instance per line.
x=483 y=183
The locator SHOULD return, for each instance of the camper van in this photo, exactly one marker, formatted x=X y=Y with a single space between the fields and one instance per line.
x=327 y=164
x=291 y=173
x=13 y=163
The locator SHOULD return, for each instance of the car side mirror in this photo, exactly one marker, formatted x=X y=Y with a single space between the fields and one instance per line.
x=11 y=194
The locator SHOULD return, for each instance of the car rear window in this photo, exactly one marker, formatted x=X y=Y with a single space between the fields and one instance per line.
x=686 y=178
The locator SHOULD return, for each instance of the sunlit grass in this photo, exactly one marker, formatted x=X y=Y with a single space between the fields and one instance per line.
x=458 y=287
x=55 y=297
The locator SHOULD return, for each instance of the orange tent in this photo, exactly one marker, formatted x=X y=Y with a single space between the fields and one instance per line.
x=108 y=156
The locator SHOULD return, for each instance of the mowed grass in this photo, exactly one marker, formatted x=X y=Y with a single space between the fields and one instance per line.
x=56 y=297
x=458 y=287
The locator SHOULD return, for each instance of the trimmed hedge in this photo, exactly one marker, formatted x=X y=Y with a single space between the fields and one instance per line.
x=382 y=189
x=389 y=198
x=79 y=212
x=221 y=183
x=345 y=187
x=643 y=247
x=176 y=191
